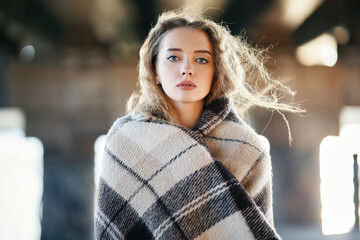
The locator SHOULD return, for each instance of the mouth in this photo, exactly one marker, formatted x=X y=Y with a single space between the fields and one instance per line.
x=186 y=85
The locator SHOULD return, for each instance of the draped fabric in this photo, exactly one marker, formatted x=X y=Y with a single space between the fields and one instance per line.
x=160 y=181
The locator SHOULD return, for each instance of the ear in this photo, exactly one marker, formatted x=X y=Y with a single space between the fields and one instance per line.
x=157 y=78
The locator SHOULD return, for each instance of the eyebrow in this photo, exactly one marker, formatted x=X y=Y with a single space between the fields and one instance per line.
x=196 y=51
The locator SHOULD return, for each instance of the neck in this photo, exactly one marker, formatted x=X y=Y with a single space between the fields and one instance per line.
x=187 y=114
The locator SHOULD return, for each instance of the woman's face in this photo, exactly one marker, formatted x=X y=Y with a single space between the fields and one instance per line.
x=185 y=65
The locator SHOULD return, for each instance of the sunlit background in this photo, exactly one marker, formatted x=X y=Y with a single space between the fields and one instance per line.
x=338 y=157
x=67 y=68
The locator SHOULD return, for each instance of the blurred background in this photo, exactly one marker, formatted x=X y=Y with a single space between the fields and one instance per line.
x=67 y=68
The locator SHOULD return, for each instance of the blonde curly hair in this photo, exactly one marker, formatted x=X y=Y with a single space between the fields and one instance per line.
x=240 y=73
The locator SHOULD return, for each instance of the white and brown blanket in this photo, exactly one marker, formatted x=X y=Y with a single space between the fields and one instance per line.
x=160 y=181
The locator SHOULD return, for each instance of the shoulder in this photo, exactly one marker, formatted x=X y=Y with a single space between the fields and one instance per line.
x=233 y=128
x=118 y=124
x=136 y=128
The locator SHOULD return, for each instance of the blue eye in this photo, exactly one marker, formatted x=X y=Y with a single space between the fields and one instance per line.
x=202 y=60
x=173 y=58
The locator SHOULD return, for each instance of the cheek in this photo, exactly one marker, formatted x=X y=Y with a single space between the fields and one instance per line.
x=210 y=75
x=166 y=71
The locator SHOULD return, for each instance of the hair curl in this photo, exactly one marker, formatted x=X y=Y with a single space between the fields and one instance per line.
x=240 y=72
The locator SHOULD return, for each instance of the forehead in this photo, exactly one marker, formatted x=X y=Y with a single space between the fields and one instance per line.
x=186 y=39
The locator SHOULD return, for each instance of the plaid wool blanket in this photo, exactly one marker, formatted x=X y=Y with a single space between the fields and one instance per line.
x=160 y=181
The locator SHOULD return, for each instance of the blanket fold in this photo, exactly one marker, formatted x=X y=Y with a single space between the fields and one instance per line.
x=160 y=181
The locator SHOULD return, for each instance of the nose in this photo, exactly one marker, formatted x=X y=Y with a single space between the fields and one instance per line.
x=187 y=72
x=187 y=69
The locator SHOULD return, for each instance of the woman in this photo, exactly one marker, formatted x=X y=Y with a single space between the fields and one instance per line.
x=182 y=164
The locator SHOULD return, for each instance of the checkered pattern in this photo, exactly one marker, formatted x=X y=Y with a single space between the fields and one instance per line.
x=160 y=181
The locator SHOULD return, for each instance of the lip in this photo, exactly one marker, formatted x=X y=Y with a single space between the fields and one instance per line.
x=186 y=85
